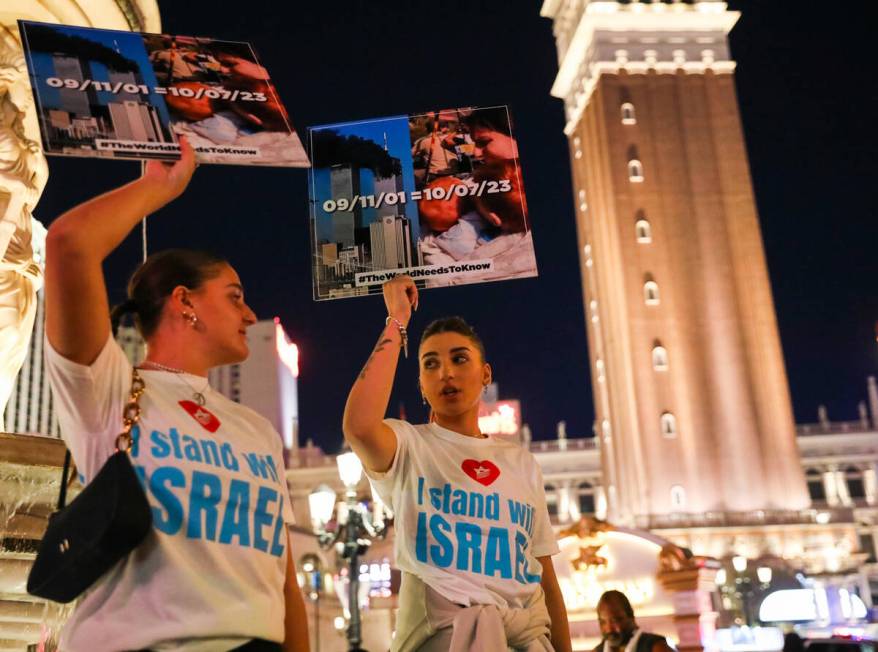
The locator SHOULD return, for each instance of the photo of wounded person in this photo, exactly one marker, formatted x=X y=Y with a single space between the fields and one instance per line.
x=221 y=97
x=485 y=219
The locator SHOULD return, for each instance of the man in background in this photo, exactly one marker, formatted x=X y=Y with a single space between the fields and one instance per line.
x=619 y=629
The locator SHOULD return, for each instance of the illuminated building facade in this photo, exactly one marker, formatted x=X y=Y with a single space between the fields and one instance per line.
x=691 y=397
x=691 y=391
x=840 y=459
x=267 y=381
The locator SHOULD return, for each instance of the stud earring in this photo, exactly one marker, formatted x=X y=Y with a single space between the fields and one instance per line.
x=191 y=318
x=423 y=399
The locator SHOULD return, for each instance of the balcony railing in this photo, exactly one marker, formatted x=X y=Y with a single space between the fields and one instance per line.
x=833 y=427
x=554 y=445
x=755 y=517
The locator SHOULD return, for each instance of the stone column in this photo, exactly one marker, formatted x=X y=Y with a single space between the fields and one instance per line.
x=872 y=390
x=564 y=502
x=830 y=488
x=600 y=502
x=691 y=586
x=864 y=585
x=870 y=482
x=841 y=488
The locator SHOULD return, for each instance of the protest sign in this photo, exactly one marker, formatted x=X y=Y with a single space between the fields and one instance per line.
x=116 y=94
x=438 y=196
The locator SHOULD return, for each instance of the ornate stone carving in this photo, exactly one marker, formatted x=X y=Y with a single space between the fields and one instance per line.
x=673 y=558
x=585 y=528
x=23 y=175
x=588 y=556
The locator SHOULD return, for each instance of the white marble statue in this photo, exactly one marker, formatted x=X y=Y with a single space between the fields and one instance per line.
x=23 y=174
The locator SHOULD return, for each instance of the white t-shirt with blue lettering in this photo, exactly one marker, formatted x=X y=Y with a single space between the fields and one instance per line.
x=210 y=574
x=470 y=514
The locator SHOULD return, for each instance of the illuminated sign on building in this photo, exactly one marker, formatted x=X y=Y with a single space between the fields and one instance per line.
x=286 y=350
x=500 y=418
x=609 y=560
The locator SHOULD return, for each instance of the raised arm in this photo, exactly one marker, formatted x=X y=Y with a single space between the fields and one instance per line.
x=364 y=428
x=77 y=311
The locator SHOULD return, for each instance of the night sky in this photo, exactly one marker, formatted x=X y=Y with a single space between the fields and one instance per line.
x=807 y=105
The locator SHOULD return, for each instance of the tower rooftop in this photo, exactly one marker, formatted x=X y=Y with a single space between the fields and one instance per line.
x=594 y=37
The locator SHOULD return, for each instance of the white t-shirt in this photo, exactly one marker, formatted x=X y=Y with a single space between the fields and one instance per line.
x=470 y=514
x=210 y=574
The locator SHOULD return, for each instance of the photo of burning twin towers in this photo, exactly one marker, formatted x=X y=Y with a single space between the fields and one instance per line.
x=438 y=196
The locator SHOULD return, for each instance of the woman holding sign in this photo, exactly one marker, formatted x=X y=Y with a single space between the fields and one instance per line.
x=215 y=572
x=473 y=537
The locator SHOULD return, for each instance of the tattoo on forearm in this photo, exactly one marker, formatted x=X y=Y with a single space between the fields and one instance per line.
x=379 y=347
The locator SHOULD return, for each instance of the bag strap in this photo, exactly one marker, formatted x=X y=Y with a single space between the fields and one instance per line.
x=131 y=412
x=62 y=494
x=124 y=441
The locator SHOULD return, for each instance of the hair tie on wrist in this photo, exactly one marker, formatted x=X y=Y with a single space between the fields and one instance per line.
x=403 y=333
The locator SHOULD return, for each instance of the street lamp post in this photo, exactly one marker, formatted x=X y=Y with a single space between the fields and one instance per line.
x=744 y=586
x=312 y=571
x=352 y=535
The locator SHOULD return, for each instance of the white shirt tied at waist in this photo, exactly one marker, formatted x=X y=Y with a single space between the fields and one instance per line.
x=429 y=622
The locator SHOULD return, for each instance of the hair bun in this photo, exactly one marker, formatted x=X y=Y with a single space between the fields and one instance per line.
x=128 y=307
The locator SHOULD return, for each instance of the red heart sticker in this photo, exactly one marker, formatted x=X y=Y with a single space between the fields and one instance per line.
x=202 y=415
x=484 y=472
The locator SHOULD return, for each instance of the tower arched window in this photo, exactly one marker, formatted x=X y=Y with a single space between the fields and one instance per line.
x=628 y=115
x=643 y=231
x=669 y=425
x=635 y=167
x=606 y=429
x=678 y=497
x=659 y=357
x=599 y=368
x=816 y=490
x=583 y=204
x=635 y=171
x=650 y=291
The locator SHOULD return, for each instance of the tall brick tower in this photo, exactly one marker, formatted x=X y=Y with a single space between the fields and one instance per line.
x=691 y=395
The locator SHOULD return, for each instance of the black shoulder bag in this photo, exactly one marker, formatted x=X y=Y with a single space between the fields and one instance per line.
x=105 y=522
